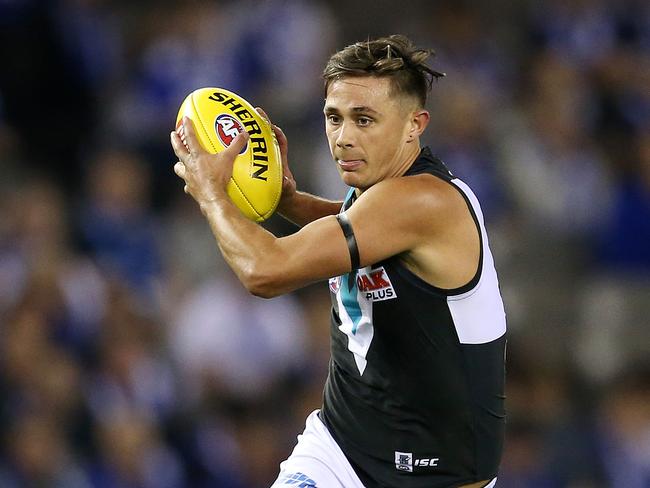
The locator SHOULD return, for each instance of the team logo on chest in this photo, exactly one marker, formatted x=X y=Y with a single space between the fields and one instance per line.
x=335 y=284
x=375 y=285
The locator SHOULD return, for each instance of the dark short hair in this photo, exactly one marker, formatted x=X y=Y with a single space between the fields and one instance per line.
x=394 y=57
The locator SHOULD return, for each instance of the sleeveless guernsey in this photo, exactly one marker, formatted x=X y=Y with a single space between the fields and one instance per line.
x=415 y=391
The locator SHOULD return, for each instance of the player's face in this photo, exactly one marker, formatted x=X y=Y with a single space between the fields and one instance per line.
x=369 y=130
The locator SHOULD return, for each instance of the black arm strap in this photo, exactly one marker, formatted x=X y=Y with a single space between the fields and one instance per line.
x=344 y=222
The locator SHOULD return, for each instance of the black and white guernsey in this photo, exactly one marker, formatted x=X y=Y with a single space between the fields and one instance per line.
x=415 y=392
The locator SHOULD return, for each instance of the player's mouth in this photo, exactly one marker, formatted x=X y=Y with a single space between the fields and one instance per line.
x=350 y=164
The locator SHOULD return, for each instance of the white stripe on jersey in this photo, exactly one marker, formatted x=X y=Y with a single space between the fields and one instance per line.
x=355 y=312
x=478 y=314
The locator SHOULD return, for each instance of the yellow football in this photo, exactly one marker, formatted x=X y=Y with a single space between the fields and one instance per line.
x=218 y=116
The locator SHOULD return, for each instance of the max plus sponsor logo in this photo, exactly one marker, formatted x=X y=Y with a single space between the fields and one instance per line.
x=375 y=285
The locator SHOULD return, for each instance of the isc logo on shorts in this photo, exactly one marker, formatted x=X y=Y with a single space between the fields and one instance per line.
x=404 y=461
x=375 y=285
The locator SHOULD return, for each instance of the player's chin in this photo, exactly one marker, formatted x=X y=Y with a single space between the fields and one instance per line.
x=352 y=178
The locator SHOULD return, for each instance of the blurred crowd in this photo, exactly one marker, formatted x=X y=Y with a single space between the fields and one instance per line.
x=130 y=357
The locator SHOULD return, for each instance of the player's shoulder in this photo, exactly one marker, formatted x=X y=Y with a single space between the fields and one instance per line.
x=421 y=193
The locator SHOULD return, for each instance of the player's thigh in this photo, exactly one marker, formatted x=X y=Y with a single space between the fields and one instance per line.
x=306 y=472
x=316 y=461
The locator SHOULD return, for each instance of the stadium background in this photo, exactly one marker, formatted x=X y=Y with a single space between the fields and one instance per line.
x=129 y=356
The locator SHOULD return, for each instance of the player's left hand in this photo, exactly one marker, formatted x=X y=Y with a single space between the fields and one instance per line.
x=205 y=175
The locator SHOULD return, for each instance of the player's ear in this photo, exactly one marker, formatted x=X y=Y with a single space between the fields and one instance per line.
x=418 y=122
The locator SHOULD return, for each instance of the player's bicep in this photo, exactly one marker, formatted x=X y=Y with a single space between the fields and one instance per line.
x=386 y=224
x=316 y=252
x=381 y=226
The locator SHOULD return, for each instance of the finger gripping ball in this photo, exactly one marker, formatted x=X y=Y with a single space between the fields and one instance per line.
x=218 y=116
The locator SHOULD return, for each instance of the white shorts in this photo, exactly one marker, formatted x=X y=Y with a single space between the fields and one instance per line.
x=318 y=462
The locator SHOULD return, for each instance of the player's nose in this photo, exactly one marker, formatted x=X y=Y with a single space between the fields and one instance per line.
x=344 y=137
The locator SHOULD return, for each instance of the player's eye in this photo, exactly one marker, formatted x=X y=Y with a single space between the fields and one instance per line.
x=364 y=121
x=333 y=119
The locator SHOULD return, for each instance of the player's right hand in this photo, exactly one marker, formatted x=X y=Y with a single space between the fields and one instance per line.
x=205 y=175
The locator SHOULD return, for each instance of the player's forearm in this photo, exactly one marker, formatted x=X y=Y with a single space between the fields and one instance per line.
x=249 y=249
x=302 y=208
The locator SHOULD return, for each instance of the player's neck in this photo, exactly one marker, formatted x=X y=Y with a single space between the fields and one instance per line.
x=410 y=155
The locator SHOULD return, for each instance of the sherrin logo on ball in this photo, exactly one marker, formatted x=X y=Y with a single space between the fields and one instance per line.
x=218 y=116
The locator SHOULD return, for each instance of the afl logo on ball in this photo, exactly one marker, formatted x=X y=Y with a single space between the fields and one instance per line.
x=227 y=128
